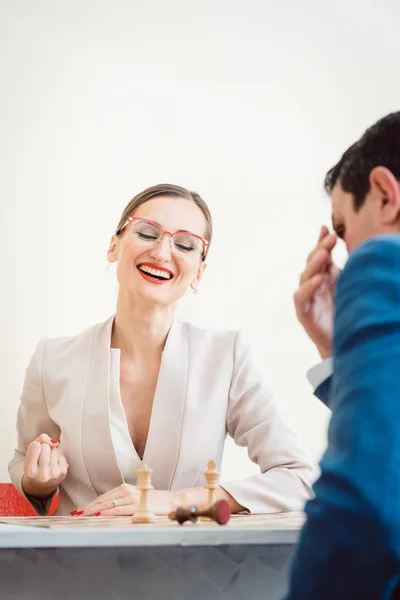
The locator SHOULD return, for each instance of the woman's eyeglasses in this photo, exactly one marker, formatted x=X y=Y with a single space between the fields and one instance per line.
x=151 y=233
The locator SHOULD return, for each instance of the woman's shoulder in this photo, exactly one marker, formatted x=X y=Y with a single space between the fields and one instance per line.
x=84 y=339
x=222 y=348
x=209 y=332
x=216 y=336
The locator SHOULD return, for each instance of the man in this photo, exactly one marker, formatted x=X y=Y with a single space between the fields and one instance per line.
x=350 y=545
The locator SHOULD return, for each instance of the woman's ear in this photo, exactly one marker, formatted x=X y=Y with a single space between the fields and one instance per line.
x=196 y=281
x=112 y=252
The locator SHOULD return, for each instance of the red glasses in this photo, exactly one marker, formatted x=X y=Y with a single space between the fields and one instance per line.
x=150 y=233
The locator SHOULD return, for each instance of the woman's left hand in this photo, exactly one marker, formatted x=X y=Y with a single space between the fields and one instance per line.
x=127 y=498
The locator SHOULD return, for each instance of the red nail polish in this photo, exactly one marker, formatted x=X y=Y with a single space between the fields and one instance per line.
x=79 y=513
x=54 y=442
x=97 y=514
x=74 y=512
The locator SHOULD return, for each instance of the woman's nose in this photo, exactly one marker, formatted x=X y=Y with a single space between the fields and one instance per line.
x=162 y=250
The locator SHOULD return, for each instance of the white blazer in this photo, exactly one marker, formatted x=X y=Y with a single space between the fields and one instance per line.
x=207 y=386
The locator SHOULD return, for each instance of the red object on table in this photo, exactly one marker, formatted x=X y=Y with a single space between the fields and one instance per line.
x=14 y=505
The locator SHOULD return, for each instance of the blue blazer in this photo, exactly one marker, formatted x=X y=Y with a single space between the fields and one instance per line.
x=349 y=548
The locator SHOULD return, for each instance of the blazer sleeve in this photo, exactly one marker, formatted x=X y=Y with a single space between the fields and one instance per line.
x=350 y=545
x=323 y=391
x=32 y=420
x=253 y=420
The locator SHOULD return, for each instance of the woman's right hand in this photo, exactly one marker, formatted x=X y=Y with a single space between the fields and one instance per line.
x=314 y=299
x=45 y=467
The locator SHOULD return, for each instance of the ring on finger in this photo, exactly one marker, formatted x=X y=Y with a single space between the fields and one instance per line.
x=115 y=502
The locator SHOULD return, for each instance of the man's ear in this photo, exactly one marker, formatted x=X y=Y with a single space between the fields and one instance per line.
x=112 y=252
x=386 y=189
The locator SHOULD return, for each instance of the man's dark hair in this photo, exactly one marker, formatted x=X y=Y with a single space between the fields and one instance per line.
x=378 y=147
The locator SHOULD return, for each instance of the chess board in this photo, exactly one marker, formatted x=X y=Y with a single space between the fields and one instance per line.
x=275 y=521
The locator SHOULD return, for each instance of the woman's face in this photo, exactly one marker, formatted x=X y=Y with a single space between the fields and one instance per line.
x=160 y=272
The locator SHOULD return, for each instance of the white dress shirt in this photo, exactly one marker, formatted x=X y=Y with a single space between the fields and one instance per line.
x=320 y=372
x=127 y=458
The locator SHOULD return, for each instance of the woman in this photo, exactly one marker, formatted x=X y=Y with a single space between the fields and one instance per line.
x=145 y=386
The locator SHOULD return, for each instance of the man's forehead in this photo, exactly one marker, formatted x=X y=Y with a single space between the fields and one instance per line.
x=342 y=206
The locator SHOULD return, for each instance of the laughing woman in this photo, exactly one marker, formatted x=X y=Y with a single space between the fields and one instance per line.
x=144 y=385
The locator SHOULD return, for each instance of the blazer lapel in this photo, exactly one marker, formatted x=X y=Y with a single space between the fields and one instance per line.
x=97 y=446
x=164 y=438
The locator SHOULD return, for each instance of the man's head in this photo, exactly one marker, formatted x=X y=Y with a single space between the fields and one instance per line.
x=365 y=185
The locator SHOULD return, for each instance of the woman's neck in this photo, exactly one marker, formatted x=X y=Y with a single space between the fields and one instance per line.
x=141 y=331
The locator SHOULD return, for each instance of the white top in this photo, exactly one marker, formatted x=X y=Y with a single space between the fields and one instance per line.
x=127 y=458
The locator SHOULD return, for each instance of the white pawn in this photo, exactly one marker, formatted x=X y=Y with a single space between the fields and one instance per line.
x=211 y=476
x=144 y=513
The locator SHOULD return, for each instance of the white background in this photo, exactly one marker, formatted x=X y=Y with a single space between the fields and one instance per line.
x=249 y=103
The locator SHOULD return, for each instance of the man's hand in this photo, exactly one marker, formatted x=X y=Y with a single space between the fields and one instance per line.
x=314 y=299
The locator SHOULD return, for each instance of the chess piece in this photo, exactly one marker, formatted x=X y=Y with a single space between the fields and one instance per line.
x=144 y=513
x=211 y=477
x=218 y=512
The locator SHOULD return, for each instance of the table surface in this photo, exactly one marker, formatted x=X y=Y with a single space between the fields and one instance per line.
x=67 y=532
